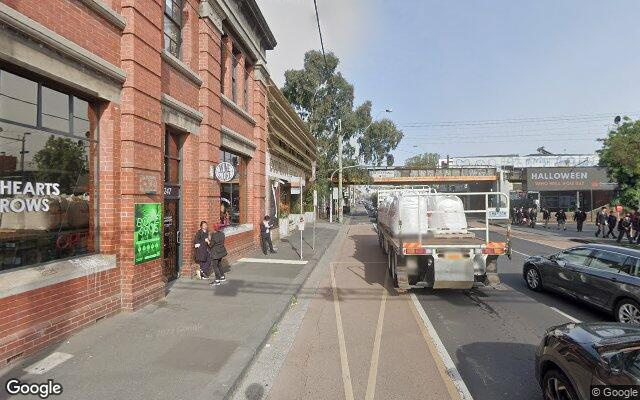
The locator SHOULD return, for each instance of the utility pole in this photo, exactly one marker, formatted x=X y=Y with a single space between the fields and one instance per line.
x=340 y=170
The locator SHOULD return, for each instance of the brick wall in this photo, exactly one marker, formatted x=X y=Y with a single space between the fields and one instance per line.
x=33 y=320
x=131 y=140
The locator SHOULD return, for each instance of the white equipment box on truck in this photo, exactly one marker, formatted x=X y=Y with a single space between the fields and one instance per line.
x=430 y=242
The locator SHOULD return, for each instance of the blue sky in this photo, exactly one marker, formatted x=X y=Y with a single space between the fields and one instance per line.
x=441 y=61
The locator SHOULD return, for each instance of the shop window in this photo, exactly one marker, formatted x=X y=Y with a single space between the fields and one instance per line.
x=47 y=174
x=246 y=89
x=173 y=26
x=233 y=194
x=234 y=79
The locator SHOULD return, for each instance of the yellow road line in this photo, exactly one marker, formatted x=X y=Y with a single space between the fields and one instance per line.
x=344 y=361
x=453 y=391
x=375 y=355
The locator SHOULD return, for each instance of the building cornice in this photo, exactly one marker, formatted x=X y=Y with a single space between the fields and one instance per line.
x=231 y=12
x=47 y=37
x=213 y=13
x=106 y=12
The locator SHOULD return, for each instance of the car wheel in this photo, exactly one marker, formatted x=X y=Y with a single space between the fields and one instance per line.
x=628 y=312
x=532 y=278
x=556 y=386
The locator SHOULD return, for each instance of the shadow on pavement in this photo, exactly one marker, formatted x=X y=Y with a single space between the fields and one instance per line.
x=499 y=370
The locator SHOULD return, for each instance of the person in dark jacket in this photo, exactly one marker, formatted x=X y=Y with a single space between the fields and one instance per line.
x=546 y=216
x=601 y=221
x=561 y=218
x=201 y=244
x=635 y=225
x=217 y=253
x=611 y=222
x=579 y=216
x=533 y=217
x=265 y=235
x=624 y=228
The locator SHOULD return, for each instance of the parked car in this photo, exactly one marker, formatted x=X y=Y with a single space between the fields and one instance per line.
x=573 y=357
x=607 y=277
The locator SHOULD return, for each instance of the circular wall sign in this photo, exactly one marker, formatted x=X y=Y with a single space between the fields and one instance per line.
x=225 y=171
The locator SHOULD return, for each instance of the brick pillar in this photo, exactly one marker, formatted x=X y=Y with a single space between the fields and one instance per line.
x=109 y=177
x=141 y=141
x=258 y=162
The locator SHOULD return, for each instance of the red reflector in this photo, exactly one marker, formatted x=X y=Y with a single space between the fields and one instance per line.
x=421 y=251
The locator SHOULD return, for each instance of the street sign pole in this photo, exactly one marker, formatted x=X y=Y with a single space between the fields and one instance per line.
x=315 y=216
x=301 y=218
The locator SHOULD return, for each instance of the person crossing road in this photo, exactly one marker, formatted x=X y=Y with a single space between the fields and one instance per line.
x=611 y=223
x=579 y=216
x=601 y=221
x=561 y=218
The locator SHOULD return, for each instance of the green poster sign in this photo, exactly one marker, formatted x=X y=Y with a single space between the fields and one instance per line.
x=147 y=234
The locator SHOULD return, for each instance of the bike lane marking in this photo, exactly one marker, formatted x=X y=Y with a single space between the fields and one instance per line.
x=344 y=361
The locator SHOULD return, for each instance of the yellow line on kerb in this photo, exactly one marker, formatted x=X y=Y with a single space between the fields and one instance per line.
x=344 y=361
x=375 y=355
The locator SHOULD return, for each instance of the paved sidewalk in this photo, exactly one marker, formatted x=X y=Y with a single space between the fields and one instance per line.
x=194 y=344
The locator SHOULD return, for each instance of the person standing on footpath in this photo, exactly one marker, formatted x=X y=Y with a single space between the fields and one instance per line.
x=218 y=252
x=201 y=244
x=624 y=228
x=601 y=221
x=265 y=235
x=579 y=216
x=561 y=218
x=611 y=222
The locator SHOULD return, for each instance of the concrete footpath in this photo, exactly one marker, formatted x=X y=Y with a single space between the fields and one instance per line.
x=194 y=344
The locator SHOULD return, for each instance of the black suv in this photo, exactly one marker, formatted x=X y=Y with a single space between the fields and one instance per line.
x=607 y=277
x=574 y=357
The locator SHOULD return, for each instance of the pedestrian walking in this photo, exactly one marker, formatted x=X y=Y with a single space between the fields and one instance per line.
x=533 y=217
x=601 y=221
x=579 y=216
x=635 y=225
x=265 y=235
x=624 y=228
x=561 y=218
x=611 y=223
x=201 y=244
x=546 y=216
x=217 y=252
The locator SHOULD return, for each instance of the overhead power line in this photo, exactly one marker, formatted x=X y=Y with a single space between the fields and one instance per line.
x=524 y=120
x=324 y=55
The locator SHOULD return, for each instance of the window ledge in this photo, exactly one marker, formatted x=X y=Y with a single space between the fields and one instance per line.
x=18 y=281
x=106 y=12
x=181 y=67
x=237 y=109
x=238 y=229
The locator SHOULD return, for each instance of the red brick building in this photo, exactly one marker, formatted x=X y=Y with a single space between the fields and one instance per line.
x=105 y=105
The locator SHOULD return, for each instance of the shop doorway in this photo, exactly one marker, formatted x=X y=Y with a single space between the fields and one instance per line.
x=172 y=204
x=171 y=223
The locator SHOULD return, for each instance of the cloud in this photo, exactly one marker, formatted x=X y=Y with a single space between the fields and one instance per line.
x=293 y=22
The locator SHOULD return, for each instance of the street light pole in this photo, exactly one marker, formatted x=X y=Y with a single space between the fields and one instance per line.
x=340 y=171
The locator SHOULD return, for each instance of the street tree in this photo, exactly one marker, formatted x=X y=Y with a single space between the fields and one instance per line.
x=429 y=160
x=620 y=154
x=61 y=160
x=322 y=96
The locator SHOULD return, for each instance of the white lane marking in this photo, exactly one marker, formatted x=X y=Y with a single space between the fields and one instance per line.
x=522 y=254
x=344 y=361
x=375 y=355
x=271 y=261
x=576 y=320
x=48 y=363
x=452 y=370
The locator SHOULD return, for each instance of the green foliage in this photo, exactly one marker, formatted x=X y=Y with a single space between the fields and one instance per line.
x=61 y=160
x=429 y=160
x=620 y=154
x=322 y=97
